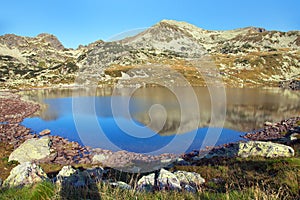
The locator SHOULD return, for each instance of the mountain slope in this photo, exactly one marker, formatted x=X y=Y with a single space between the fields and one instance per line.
x=246 y=57
x=37 y=61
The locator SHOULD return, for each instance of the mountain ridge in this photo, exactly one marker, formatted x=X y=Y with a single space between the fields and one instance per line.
x=246 y=57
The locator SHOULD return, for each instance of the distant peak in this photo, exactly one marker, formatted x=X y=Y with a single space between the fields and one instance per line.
x=52 y=40
x=45 y=35
x=179 y=24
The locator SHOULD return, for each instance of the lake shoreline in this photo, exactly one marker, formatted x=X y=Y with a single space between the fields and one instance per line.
x=84 y=155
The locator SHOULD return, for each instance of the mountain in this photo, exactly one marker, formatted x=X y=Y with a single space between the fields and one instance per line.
x=245 y=57
x=33 y=62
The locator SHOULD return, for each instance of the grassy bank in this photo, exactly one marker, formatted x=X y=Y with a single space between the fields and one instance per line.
x=234 y=178
x=48 y=190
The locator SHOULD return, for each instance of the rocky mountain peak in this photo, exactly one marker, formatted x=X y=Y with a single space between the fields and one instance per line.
x=12 y=40
x=51 y=39
x=178 y=25
x=253 y=29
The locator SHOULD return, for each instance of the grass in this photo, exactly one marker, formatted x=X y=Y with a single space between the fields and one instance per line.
x=6 y=166
x=47 y=190
x=230 y=178
x=235 y=178
x=237 y=174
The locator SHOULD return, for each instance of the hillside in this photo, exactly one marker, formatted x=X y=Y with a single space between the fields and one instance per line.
x=246 y=57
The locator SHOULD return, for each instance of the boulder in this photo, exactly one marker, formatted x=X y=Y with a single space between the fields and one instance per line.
x=146 y=182
x=192 y=179
x=264 y=149
x=24 y=174
x=66 y=171
x=96 y=173
x=32 y=149
x=166 y=181
x=247 y=149
x=69 y=176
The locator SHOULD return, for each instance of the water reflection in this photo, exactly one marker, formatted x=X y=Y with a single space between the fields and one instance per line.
x=247 y=109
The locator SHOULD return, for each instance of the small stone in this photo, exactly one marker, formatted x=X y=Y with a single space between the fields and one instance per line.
x=99 y=158
x=268 y=123
x=45 y=132
x=121 y=185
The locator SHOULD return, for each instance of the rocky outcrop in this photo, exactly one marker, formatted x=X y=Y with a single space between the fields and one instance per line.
x=293 y=84
x=243 y=149
x=171 y=181
x=25 y=174
x=32 y=149
x=264 y=149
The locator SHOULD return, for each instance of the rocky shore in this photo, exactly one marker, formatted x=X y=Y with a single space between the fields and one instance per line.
x=63 y=151
x=292 y=84
x=276 y=131
x=32 y=150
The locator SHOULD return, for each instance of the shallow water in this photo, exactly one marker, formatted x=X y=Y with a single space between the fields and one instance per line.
x=158 y=120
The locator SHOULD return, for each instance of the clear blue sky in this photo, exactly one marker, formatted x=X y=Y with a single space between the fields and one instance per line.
x=77 y=22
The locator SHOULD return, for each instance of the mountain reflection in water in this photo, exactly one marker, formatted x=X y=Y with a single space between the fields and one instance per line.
x=247 y=109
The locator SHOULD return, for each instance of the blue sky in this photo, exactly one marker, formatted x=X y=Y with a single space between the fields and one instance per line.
x=77 y=22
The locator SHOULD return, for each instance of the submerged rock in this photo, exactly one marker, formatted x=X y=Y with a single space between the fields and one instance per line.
x=24 y=174
x=264 y=149
x=32 y=149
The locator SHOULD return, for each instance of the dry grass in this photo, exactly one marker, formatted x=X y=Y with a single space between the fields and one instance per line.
x=5 y=166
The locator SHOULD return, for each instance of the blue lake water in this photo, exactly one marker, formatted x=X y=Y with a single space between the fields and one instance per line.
x=122 y=122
